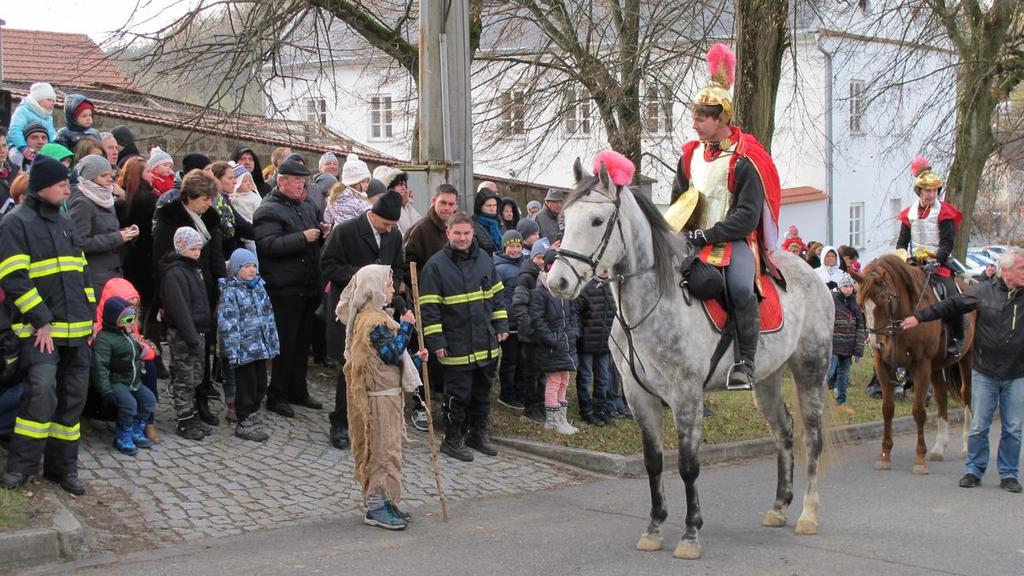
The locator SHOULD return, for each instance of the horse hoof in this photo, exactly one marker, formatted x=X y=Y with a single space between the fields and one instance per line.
x=935 y=456
x=687 y=551
x=649 y=543
x=883 y=465
x=773 y=519
x=806 y=527
x=920 y=469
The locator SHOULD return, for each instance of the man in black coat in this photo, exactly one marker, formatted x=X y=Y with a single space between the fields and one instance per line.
x=288 y=245
x=372 y=238
x=597 y=313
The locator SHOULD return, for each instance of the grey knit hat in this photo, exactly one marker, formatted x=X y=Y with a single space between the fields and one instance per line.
x=92 y=166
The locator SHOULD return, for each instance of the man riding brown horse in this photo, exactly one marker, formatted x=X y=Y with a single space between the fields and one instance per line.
x=927 y=233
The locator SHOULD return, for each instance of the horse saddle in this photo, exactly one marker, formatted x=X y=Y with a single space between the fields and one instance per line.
x=770 y=306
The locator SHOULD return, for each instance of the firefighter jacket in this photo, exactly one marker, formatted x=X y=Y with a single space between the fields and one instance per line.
x=44 y=273
x=462 y=307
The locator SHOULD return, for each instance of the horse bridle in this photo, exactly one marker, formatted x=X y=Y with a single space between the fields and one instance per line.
x=593 y=260
x=894 y=327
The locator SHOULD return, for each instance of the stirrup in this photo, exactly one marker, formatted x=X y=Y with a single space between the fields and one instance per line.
x=728 y=379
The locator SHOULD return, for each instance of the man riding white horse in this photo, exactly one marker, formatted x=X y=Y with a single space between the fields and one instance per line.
x=726 y=197
x=927 y=235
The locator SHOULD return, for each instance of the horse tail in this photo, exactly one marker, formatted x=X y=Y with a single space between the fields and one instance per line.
x=832 y=435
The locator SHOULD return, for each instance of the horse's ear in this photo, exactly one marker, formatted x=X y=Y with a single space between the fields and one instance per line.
x=606 y=179
x=577 y=170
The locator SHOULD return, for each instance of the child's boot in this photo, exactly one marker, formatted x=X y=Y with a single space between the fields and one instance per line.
x=251 y=429
x=551 y=418
x=564 y=411
x=562 y=425
x=139 y=436
x=123 y=440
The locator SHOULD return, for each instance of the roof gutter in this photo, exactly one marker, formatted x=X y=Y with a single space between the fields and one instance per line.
x=829 y=145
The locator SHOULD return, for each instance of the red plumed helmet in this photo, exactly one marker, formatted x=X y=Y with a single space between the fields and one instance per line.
x=722 y=64
x=619 y=167
x=919 y=165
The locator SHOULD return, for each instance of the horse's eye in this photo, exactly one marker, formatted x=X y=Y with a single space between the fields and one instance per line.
x=597 y=222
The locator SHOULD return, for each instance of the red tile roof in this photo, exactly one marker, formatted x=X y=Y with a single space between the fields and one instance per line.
x=800 y=194
x=58 y=58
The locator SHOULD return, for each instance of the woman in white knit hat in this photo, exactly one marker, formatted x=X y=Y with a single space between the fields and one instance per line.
x=348 y=198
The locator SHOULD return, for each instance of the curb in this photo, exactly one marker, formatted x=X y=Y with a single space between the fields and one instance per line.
x=632 y=466
x=64 y=540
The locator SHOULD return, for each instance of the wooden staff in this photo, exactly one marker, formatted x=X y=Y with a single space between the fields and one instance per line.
x=426 y=393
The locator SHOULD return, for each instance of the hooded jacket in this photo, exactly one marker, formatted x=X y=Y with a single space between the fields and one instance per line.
x=257 y=170
x=27 y=112
x=116 y=357
x=487 y=229
x=126 y=140
x=556 y=327
x=245 y=322
x=509 y=224
x=830 y=275
x=72 y=132
x=123 y=289
x=183 y=295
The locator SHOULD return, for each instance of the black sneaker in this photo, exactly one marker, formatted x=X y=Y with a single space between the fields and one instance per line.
x=511 y=404
x=592 y=419
x=970 y=481
x=538 y=415
x=189 y=428
x=384 y=518
x=339 y=437
x=405 y=516
x=1010 y=485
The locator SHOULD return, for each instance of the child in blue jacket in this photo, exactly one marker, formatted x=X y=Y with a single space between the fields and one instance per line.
x=248 y=332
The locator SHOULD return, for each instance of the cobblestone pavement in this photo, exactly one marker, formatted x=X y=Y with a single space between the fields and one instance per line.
x=185 y=491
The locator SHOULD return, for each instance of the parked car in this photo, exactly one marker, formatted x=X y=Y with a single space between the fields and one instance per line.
x=993 y=252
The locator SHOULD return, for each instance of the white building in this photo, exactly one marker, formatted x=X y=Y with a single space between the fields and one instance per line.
x=855 y=105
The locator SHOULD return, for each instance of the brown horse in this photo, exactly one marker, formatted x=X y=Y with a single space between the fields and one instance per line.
x=889 y=290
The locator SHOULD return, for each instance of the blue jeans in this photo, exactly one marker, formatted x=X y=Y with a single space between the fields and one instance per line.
x=593 y=368
x=839 y=370
x=132 y=406
x=987 y=394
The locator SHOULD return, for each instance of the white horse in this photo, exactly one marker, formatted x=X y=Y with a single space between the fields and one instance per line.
x=662 y=344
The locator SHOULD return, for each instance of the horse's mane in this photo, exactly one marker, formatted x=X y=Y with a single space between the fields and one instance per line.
x=667 y=246
x=908 y=280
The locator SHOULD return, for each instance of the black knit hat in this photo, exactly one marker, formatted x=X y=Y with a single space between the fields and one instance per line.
x=194 y=161
x=389 y=206
x=45 y=172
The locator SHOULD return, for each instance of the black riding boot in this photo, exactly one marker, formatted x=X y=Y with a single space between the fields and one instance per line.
x=956 y=326
x=748 y=328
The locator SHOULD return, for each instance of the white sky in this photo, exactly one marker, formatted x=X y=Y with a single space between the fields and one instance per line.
x=92 y=17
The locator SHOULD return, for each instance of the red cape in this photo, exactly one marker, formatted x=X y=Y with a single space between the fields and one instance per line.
x=946 y=212
x=748 y=147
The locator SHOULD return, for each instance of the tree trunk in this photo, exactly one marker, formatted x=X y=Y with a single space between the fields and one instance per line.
x=974 y=144
x=762 y=36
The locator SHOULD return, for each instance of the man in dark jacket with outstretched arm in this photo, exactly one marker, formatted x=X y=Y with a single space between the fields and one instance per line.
x=997 y=380
x=44 y=275
x=464 y=321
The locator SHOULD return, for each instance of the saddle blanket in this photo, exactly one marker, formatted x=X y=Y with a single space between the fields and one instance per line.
x=771 y=309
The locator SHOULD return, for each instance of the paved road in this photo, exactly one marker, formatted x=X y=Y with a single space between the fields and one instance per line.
x=872 y=522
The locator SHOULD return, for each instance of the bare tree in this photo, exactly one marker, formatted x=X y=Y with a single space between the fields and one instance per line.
x=989 y=41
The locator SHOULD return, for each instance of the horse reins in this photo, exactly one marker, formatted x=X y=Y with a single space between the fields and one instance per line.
x=894 y=327
x=593 y=260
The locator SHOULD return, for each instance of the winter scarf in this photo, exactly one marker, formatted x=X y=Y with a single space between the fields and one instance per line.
x=102 y=196
x=491 y=225
x=197 y=219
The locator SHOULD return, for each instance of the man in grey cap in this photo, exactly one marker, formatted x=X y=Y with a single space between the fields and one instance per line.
x=548 y=218
x=532 y=207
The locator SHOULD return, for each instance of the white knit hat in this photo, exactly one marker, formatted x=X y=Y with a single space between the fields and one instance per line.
x=42 y=91
x=158 y=157
x=354 y=171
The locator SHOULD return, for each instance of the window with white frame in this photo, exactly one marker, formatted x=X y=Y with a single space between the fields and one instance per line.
x=381 y=116
x=577 y=112
x=316 y=111
x=657 y=107
x=858 y=102
x=513 y=113
x=856 y=225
